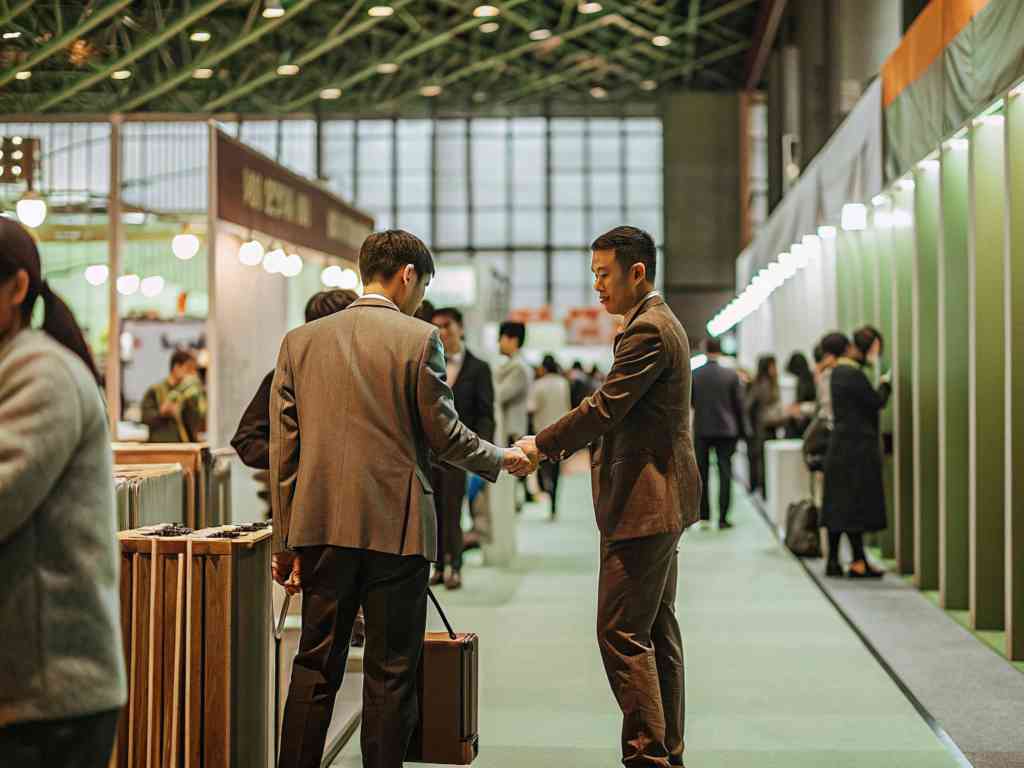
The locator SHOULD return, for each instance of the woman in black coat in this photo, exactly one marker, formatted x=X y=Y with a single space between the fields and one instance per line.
x=854 y=495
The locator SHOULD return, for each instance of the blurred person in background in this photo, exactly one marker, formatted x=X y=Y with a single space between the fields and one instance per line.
x=581 y=386
x=175 y=409
x=718 y=423
x=552 y=401
x=833 y=347
x=514 y=380
x=799 y=414
x=854 y=495
x=473 y=388
x=766 y=414
x=596 y=376
x=62 y=676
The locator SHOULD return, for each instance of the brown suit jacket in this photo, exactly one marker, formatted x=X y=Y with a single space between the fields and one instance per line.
x=645 y=478
x=358 y=403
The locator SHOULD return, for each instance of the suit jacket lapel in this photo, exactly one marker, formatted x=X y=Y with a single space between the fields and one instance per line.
x=635 y=312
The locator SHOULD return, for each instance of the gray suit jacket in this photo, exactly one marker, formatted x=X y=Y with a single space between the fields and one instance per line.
x=60 y=617
x=514 y=381
x=359 y=402
x=644 y=471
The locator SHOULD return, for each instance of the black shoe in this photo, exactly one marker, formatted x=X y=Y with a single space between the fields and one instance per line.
x=438 y=578
x=724 y=525
x=869 y=573
x=453 y=581
x=833 y=570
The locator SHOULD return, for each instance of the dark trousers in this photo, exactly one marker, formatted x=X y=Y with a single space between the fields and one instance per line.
x=78 y=742
x=641 y=646
x=449 y=493
x=393 y=593
x=548 y=475
x=724 y=448
x=856 y=543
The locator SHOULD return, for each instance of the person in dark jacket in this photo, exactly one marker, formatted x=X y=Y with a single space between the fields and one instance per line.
x=473 y=386
x=718 y=422
x=252 y=438
x=766 y=414
x=854 y=496
x=806 y=395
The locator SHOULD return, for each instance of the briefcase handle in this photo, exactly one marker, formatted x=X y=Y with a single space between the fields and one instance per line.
x=440 y=610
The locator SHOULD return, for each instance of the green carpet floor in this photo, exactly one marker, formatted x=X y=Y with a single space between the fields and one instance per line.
x=775 y=678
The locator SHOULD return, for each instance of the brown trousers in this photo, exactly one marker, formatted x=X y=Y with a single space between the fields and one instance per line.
x=641 y=646
x=393 y=593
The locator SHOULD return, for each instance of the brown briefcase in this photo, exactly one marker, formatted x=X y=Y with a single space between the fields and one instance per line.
x=448 y=689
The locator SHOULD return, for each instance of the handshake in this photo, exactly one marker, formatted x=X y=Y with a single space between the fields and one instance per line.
x=523 y=458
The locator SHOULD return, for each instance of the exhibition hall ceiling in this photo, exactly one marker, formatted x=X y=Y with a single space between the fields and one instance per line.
x=278 y=57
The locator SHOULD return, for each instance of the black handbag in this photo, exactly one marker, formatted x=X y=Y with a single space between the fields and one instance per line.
x=802 y=538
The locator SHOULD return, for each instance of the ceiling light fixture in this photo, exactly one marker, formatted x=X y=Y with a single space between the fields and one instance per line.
x=292 y=265
x=381 y=11
x=128 y=284
x=288 y=70
x=827 y=232
x=648 y=85
x=485 y=11
x=661 y=41
x=203 y=73
x=199 y=37
x=880 y=199
x=152 y=286
x=598 y=92
x=272 y=9
x=25 y=74
x=430 y=90
x=121 y=74
x=330 y=93
x=97 y=274
x=348 y=280
x=489 y=27
x=331 y=276
x=31 y=209
x=854 y=217
x=12 y=35
x=387 y=68
x=274 y=261
x=590 y=7
x=540 y=34
x=251 y=253
x=185 y=245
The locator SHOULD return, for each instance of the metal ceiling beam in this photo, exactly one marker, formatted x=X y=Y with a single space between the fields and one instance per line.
x=302 y=59
x=213 y=58
x=92 y=21
x=764 y=34
x=692 y=25
x=725 y=9
x=411 y=53
x=135 y=54
x=16 y=11
x=709 y=58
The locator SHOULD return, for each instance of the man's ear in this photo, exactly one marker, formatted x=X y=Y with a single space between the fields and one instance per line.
x=639 y=272
x=409 y=275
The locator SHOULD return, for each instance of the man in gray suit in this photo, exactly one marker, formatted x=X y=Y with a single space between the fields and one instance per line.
x=514 y=379
x=646 y=493
x=358 y=404
x=718 y=422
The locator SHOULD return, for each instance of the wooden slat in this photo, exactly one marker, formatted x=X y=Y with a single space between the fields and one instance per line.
x=217 y=662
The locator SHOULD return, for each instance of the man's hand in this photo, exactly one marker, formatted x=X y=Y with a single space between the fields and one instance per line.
x=516 y=462
x=528 y=445
x=286 y=569
x=169 y=409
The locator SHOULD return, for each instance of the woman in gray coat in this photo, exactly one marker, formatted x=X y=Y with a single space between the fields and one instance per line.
x=62 y=678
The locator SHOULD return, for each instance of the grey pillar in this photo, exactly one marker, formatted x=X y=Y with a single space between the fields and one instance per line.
x=813 y=36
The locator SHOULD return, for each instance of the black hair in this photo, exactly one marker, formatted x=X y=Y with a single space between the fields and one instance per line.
x=835 y=344
x=577 y=366
x=818 y=353
x=550 y=365
x=631 y=246
x=18 y=252
x=513 y=331
x=425 y=312
x=450 y=312
x=328 y=302
x=865 y=336
x=798 y=365
x=712 y=346
x=764 y=364
x=182 y=356
x=384 y=254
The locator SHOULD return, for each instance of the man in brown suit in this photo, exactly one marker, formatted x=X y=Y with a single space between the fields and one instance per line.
x=358 y=404
x=646 y=493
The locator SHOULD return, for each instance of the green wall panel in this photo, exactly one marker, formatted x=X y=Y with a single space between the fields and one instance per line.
x=986 y=250
x=1015 y=383
x=884 y=241
x=925 y=376
x=903 y=380
x=954 y=411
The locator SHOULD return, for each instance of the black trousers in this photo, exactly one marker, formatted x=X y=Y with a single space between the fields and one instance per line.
x=393 y=593
x=449 y=493
x=642 y=648
x=78 y=742
x=724 y=448
x=548 y=475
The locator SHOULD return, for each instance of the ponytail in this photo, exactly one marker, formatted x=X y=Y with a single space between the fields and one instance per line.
x=60 y=323
x=18 y=252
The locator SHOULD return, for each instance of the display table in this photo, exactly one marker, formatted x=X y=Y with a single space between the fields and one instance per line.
x=786 y=478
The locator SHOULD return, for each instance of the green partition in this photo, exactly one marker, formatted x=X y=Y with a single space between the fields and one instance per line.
x=954 y=363
x=1015 y=374
x=925 y=376
x=884 y=244
x=986 y=252
x=903 y=381
x=868 y=278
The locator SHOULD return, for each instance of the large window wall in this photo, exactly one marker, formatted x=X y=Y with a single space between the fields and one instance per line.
x=523 y=195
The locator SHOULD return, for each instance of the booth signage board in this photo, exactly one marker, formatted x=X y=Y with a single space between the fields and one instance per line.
x=590 y=326
x=255 y=192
